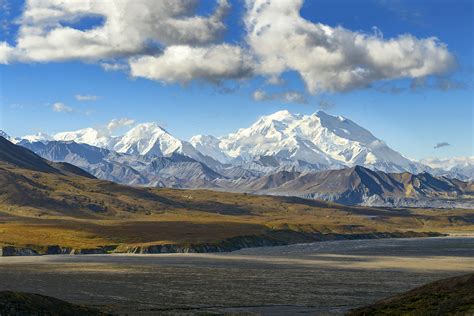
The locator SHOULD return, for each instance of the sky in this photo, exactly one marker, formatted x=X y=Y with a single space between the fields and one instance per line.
x=403 y=69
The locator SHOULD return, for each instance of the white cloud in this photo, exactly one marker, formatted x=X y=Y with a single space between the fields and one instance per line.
x=6 y=53
x=129 y=28
x=285 y=97
x=293 y=97
x=185 y=63
x=118 y=123
x=275 y=80
x=334 y=58
x=169 y=42
x=61 y=107
x=259 y=95
x=86 y=97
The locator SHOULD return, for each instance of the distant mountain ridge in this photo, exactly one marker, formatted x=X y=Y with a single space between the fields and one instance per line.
x=362 y=186
x=351 y=186
x=316 y=156
x=290 y=141
x=126 y=168
x=455 y=167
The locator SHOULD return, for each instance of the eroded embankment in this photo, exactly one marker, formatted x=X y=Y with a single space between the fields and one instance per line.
x=272 y=238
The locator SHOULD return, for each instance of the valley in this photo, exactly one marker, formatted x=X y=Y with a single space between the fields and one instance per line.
x=327 y=278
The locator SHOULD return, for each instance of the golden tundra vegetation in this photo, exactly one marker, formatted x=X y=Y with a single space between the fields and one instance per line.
x=44 y=203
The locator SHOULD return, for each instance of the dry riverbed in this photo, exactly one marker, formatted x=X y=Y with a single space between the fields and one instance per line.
x=324 y=278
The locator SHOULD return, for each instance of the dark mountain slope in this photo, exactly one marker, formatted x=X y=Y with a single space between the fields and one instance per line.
x=362 y=186
x=17 y=303
x=18 y=156
x=174 y=171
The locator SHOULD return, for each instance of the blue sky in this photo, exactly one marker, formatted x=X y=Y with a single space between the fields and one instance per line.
x=410 y=119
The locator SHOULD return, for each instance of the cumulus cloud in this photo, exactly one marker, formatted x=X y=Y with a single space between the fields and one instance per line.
x=119 y=123
x=61 y=107
x=285 y=97
x=335 y=58
x=129 y=28
x=182 y=63
x=86 y=97
x=443 y=144
x=169 y=41
x=275 y=80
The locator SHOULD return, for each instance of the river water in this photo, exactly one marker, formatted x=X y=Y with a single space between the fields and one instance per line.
x=319 y=278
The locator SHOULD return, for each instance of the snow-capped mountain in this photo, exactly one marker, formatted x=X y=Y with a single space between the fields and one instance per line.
x=276 y=142
x=209 y=145
x=282 y=153
x=8 y=137
x=455 y=167
x=448 y=163
x=143 y=139
x=151 y=139
x=90 y=136
x=319 y=139
x=38 y=137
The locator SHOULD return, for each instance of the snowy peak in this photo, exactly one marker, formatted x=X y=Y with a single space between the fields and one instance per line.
x=320 y=139
x=449 y=163
x=147 y=139
x=344 y=128
x=455 y=167
x=143 y=139
x=38 y=137
x=152 y=139
x=280 y=116
x=208 y=145
x=90 y=136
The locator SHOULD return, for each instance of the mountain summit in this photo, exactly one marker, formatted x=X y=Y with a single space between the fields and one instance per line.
x=142 y=139
x=320 y=138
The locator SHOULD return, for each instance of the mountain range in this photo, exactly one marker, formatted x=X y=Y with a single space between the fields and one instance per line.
x=281 y=154
x=57 y=208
